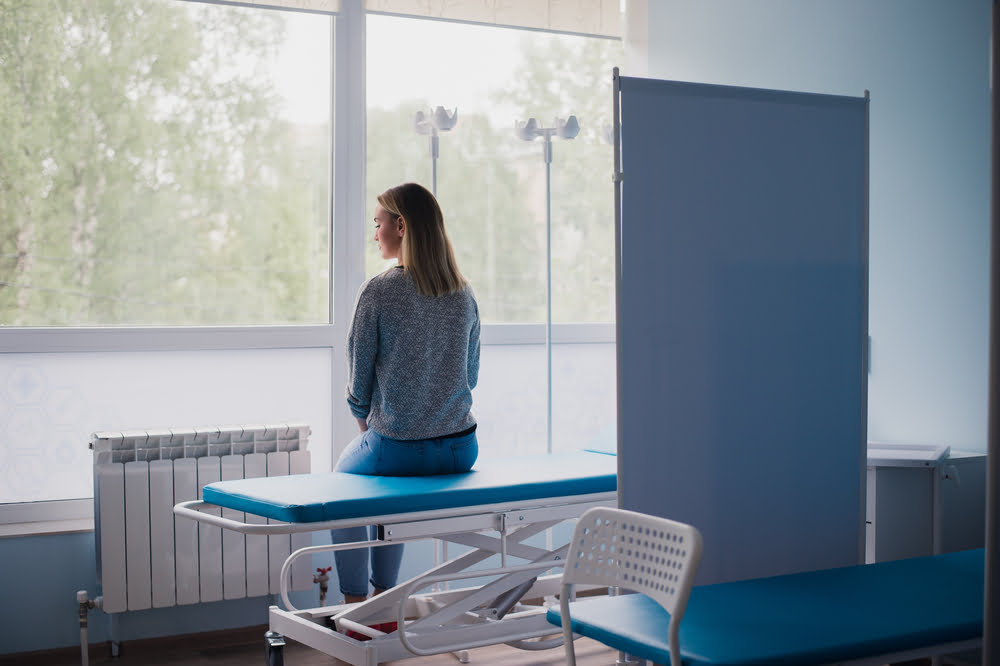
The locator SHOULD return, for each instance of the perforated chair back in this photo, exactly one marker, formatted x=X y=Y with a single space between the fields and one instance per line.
x=634 y=551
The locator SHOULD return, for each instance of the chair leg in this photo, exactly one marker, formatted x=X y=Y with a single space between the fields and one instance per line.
x=570 y=653
x=568 y=648
x=565 y=594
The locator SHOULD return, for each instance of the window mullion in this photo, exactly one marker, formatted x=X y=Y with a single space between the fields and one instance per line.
x=348 y=226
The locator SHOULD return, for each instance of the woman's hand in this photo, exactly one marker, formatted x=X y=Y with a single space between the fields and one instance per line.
x=362 y=424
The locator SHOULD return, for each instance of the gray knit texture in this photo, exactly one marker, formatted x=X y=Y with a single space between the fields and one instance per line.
x=412 y=360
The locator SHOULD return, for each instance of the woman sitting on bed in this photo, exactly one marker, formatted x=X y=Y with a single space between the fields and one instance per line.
x=413 y=360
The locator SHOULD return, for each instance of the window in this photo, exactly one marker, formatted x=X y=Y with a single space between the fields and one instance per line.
x=165 y=197
x=492 y=189
x=163 y=163
x=168 y=223
x=51 y=403
x=491 y=184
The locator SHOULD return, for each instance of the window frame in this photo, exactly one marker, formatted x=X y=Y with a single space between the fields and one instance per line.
x=347 y=272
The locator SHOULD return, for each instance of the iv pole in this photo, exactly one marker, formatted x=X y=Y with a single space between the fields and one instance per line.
x=439 y=120
x=567 y=129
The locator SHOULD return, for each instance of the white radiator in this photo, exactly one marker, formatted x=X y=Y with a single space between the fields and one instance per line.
x=147 y=558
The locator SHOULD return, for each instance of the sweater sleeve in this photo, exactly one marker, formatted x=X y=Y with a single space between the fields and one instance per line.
x=473 y=363
x=362 y=344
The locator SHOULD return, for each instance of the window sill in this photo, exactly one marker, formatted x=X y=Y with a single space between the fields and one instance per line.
x=180 y=338
x=39 y=518
x=69 y=526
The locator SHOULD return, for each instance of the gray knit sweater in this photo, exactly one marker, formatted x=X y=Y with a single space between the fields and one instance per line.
x=412 y=360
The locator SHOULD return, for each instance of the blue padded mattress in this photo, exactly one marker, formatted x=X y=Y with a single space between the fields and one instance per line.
x=308 y=498
x=816 y=617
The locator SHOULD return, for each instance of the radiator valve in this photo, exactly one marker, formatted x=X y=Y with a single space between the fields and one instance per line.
x=323 y=578
x=86 y=603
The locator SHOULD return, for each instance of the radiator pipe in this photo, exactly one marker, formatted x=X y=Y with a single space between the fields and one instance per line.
x=85 y=603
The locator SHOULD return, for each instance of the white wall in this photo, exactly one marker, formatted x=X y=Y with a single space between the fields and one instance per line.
x=926 y=65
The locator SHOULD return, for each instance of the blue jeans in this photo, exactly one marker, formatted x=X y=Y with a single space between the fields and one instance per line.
x=372 y=454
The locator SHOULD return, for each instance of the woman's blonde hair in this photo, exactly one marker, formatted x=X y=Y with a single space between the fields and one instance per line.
x=426 y=253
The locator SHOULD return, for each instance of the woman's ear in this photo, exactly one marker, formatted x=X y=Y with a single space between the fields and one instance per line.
x=401 y=225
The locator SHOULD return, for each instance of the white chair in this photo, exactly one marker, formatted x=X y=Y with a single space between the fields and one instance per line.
x=633 y=551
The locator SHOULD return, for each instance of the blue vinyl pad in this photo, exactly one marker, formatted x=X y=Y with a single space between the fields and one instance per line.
x=815 y=617
x=307 y=498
